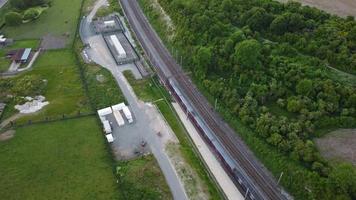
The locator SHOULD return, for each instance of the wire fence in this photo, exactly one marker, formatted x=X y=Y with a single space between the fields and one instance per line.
x=23 y=123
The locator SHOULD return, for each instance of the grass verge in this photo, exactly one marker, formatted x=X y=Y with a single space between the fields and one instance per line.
x=142 y=178
x=61 y=160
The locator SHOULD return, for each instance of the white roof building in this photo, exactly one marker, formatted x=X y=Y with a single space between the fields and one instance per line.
x=118 y=47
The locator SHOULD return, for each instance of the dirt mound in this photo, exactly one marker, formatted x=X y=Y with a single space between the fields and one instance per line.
x=7 y=135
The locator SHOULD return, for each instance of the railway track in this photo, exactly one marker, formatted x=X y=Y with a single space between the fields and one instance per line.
x=167 y=67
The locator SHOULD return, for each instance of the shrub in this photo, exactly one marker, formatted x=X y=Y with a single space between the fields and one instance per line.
x=22 y=4
x=31 y=14
x=13 y=18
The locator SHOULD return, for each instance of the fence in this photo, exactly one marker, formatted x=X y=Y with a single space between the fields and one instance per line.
x=63 y=117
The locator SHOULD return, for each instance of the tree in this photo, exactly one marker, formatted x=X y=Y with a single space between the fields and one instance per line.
x=304 y=87
x=343 y=179
x=294 y=105
x=13 y=18
x=203 y=60
x=248 y=53
x=31 y=14
x=22 y=4
x=257 y=19
x=287 y=22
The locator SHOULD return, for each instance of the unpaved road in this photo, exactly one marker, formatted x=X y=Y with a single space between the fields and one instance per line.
x=342 y=8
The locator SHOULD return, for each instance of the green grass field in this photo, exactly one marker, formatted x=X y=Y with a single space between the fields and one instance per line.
x=142 y=179
x=58 y=20
x=60 y=160
x=103 y=89
x=64 y=90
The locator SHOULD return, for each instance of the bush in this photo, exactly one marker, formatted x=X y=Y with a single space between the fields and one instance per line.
x=13 y=18
x=22 y=4
x=31 y=14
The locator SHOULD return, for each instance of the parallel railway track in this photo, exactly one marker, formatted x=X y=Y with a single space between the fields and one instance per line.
x=264 y=185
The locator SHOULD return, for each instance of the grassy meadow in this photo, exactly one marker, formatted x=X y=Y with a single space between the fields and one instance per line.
x=59 y=20
x=60 y=160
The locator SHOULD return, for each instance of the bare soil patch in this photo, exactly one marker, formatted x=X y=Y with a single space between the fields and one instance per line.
x=7 y=135
x=192 y=183
x=53 y=42
x=339 y=144
x=342 y=8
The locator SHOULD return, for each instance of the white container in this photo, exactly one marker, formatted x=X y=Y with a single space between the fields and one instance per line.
x=109 y=138
x=104 y=111
x=107 y=127
x=120 y=121
x=118 y=107
x=127 y=114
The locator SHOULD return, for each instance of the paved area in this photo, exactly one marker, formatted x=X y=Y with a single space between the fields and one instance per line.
x=14 y=66
x=228 y=187
x=147 y=122
x=2 y=3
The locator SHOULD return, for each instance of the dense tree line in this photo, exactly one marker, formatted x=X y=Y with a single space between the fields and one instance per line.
x=267 y=63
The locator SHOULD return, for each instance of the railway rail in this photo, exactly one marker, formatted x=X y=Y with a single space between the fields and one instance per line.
x=246 y=172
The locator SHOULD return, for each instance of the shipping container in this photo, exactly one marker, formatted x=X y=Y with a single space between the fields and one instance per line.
x=104 y=111
x=118 y=107
x=107 y=127
x=120 y=121
x=128 y=114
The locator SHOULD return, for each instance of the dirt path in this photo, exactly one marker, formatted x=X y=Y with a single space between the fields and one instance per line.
x=8 y=120
x=221 y=177
x=342 y=8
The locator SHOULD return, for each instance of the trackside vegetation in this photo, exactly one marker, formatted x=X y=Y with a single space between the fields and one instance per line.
x=272 y=67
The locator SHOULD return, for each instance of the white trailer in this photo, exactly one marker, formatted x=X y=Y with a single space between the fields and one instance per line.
x=110 y=138
x=107 y=127
x=105 y=111
x=118 y=107
x=127 y=114
x=120 y=121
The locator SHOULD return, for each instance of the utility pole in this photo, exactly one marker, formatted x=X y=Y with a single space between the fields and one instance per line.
x=280 y=177
x=246 y=193
x=216 y=103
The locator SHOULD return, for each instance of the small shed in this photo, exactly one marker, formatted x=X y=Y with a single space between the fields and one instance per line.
x=109 y=138
x=25 y=55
